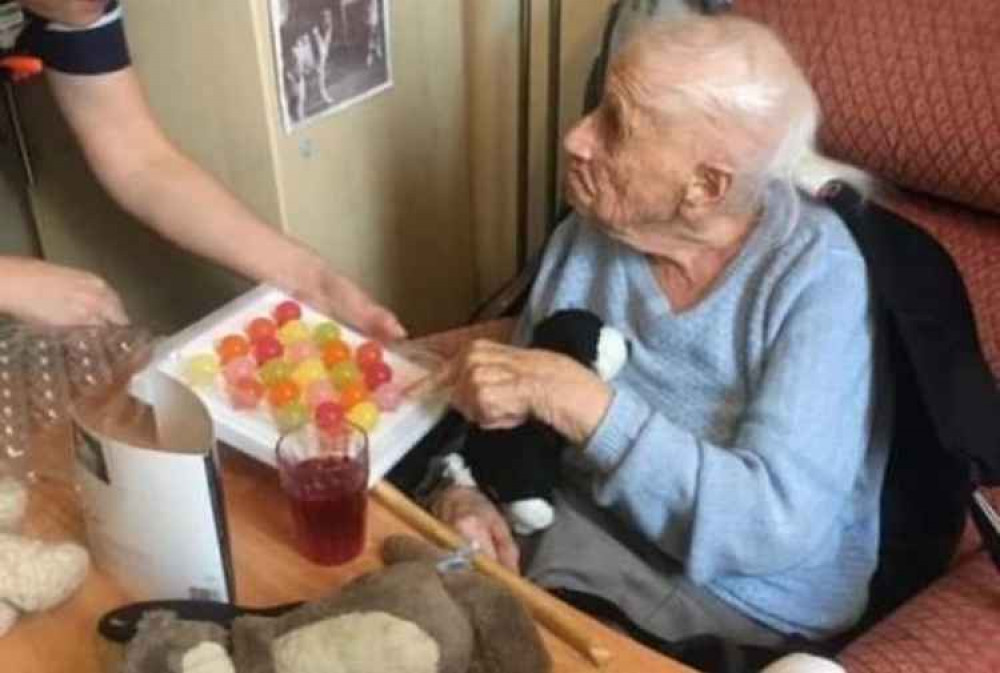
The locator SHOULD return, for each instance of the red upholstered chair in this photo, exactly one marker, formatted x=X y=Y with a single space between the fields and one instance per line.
x=910 y=91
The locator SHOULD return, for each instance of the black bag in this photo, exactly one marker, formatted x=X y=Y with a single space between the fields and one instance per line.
x=946 y=429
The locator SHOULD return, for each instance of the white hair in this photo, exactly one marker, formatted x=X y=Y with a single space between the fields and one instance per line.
x=739 y=77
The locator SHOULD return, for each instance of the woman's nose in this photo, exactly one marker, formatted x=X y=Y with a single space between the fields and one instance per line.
x=579 y=140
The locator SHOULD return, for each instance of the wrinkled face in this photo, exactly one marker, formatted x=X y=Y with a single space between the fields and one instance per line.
x=628 y=167
x=72 y=12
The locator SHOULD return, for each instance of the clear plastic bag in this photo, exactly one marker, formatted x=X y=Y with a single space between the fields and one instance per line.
x=44 y=374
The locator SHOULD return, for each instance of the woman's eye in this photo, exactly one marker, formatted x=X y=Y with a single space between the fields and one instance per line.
x=611 y=126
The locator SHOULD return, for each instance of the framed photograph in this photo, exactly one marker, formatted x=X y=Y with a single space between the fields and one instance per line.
x=329 y=55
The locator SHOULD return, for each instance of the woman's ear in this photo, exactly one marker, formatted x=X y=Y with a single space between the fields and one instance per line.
x=706 y=190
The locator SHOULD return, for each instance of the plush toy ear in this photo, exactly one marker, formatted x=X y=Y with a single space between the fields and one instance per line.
x=162 y=641
x=583 y=336
x=572 y=332
x=507 y=639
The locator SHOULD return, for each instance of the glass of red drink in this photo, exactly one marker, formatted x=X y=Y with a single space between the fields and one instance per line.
x=325 y=476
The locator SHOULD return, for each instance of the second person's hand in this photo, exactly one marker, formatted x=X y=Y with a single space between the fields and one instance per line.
x=41 y=293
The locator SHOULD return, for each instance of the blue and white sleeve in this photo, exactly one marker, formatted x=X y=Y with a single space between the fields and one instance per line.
x=96 y=49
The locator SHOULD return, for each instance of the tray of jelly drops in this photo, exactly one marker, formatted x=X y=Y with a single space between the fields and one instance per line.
x=265 y=364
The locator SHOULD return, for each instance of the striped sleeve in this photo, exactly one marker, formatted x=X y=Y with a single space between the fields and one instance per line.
x=96 y=49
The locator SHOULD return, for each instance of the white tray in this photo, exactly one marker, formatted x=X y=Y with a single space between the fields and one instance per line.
x=252 y=431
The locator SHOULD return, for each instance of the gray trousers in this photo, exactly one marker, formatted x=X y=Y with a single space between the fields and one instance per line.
x=590 y=551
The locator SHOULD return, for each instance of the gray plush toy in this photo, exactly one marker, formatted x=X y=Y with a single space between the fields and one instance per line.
x=409 y=617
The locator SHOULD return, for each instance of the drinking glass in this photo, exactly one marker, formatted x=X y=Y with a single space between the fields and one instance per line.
x=325 y=477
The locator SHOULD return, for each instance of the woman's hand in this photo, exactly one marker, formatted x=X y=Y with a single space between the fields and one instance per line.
x=476 y=519
x=47 y=294
x=499 y=387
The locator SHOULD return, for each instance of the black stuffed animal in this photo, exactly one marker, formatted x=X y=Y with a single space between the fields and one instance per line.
x=519 y=467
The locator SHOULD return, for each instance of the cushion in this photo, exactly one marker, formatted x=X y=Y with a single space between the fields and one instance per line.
x=910 y=89
x=951 y=627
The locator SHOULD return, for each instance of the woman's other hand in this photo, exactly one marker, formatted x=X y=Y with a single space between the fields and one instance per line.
x=476 y=519
x=499 y=387
x=41 y=293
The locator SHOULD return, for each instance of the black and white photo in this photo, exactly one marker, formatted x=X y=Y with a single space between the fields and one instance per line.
x=330 y=54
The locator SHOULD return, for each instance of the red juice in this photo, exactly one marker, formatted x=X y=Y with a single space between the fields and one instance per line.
x=328 y=497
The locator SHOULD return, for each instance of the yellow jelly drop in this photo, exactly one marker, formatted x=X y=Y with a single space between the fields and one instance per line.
x=292 y=332
x=309 y=371
x=364 y=415
x=200 y=370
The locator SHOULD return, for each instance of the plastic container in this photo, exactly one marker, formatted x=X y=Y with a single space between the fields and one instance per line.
x=254 y=431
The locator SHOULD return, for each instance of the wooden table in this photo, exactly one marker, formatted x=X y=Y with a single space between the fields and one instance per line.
x=268 y=571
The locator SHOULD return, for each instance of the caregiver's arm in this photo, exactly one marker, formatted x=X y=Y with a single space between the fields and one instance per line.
x=150 y=178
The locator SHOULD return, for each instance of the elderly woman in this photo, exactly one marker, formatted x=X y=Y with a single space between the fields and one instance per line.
x=728 y=480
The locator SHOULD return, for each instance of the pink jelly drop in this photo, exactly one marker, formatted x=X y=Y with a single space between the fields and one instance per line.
x=245 y=394
x=387 y=397
x=236 y=370
x=301 y=350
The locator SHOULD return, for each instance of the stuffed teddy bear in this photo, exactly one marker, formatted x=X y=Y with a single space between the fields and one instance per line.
x=416 y=615
x=34 y=575
x=519 y=467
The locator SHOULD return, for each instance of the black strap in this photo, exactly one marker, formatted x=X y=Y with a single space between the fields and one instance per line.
x=120 y=625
